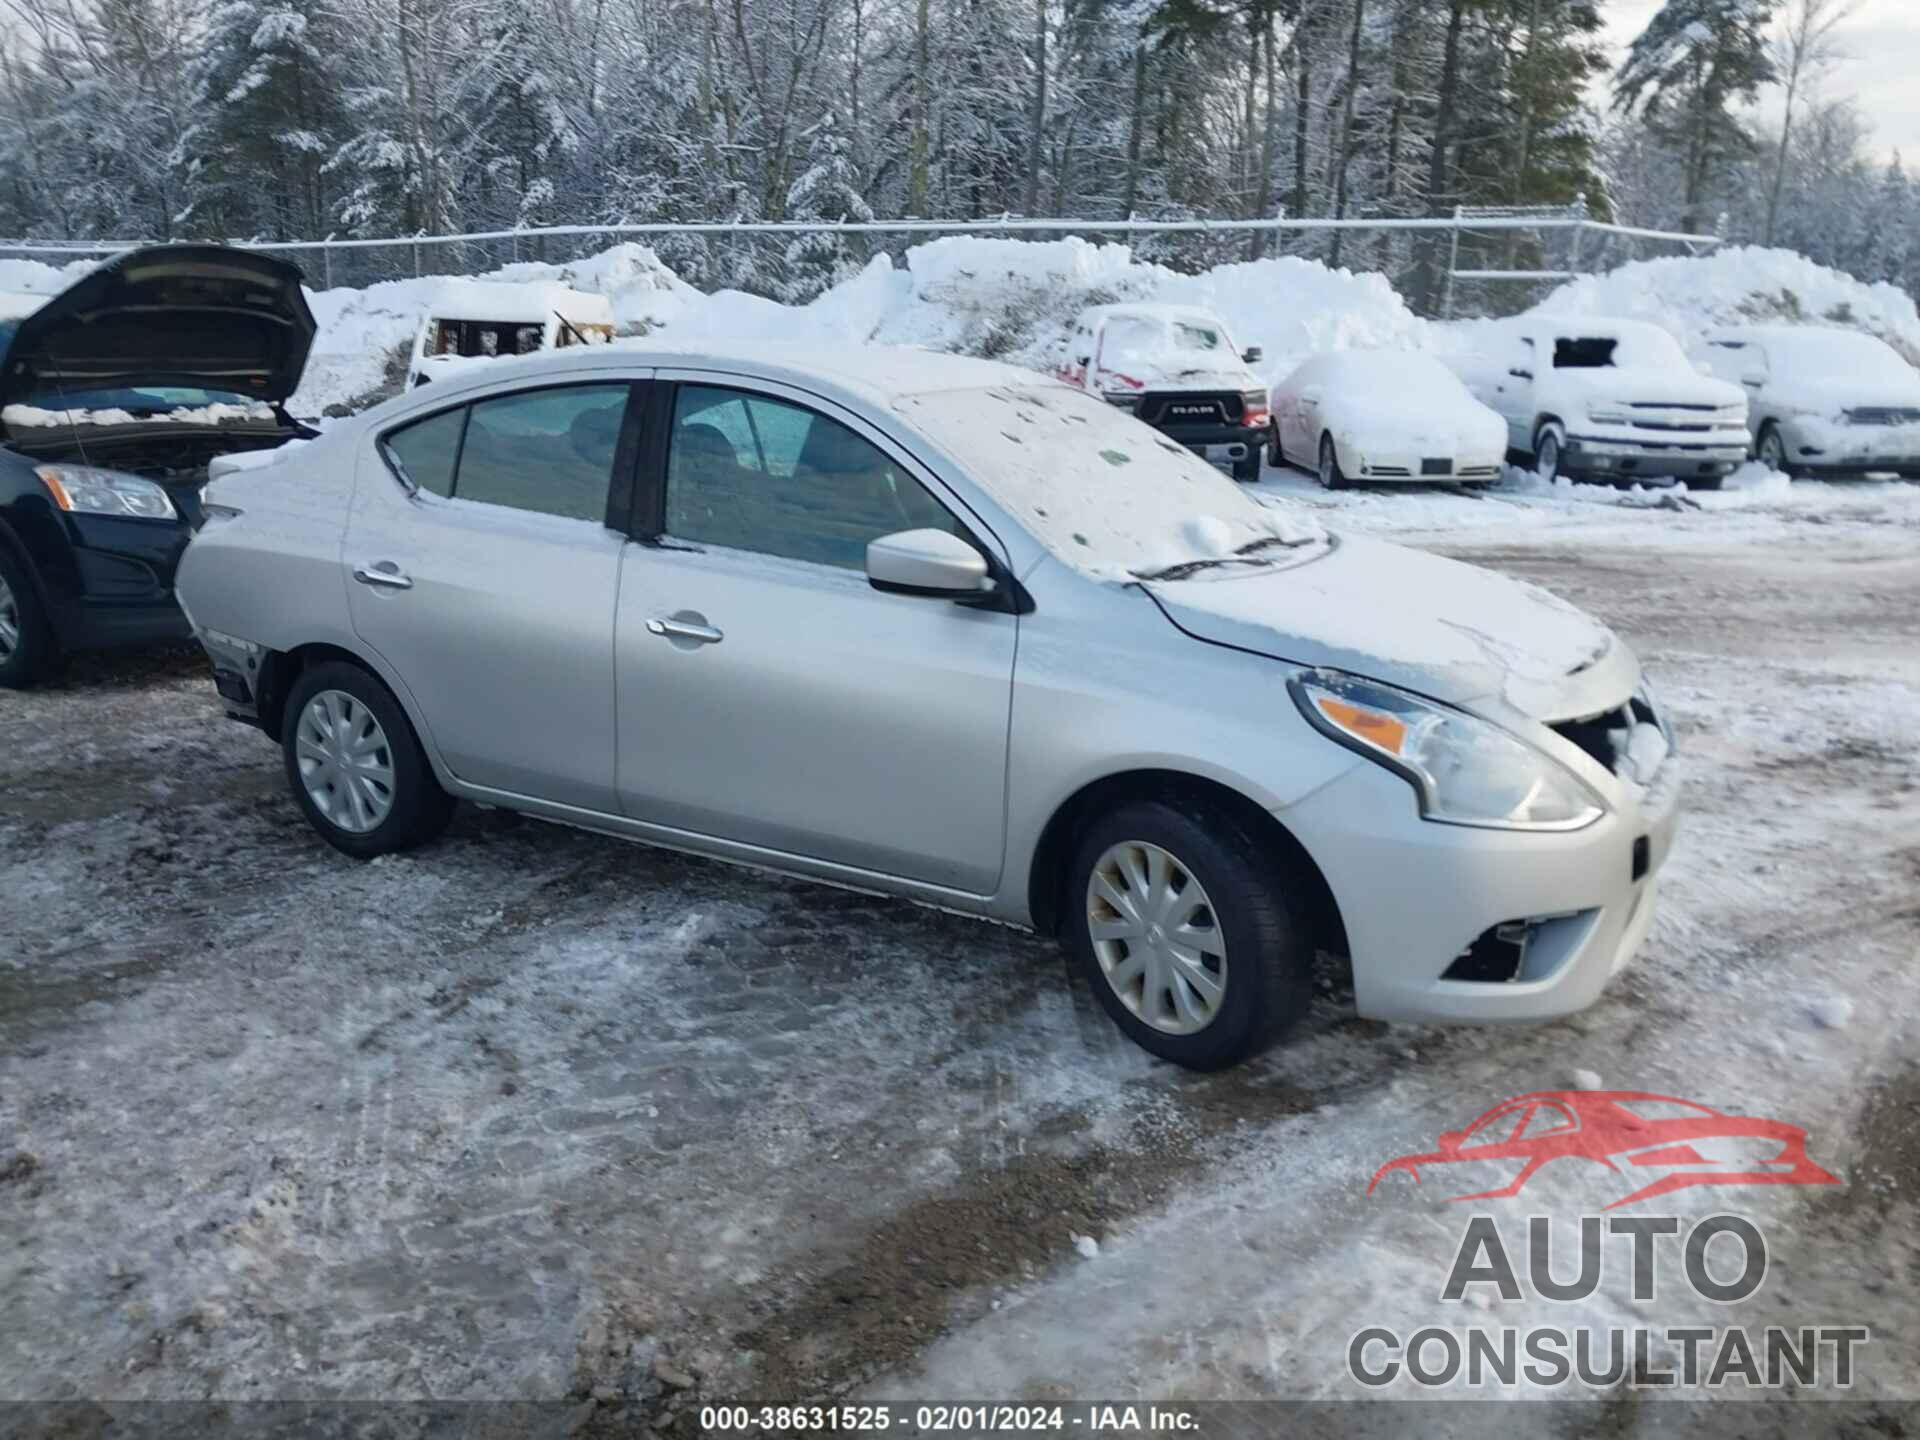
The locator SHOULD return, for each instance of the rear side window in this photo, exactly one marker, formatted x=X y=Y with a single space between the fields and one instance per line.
x=549 y=452
x=1583 y=353
x=426 y=450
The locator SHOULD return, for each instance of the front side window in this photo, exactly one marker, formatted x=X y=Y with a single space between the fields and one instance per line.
x=550 y=452
x=753 y=473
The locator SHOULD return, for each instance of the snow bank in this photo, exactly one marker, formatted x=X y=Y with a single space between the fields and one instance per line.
x=1742 y=285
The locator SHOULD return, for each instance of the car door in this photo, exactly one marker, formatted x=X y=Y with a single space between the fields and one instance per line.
x=1309 y=395
x=768 y=695
x=482 y=569
x=1516 y=374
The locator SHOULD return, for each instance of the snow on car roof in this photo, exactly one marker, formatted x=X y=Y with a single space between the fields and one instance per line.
x=1811 y=335
x=531 y=304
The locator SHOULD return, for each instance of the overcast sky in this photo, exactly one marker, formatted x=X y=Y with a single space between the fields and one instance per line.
x=1880 y=67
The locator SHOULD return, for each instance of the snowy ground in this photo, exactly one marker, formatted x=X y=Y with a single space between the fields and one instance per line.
x=535 y=1114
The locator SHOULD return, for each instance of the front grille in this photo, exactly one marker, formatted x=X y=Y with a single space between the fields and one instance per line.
x=1884 y=415
x=1436 y=467
x=1594 y=733
x=1397 y=470
x=1190 y=408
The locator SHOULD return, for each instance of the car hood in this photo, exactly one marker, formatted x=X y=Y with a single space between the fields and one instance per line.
x=1417 y=423
x=1177 y=372
x=188 y=315
x=1830 y=397
x=1651 y=385
x=1453 y=632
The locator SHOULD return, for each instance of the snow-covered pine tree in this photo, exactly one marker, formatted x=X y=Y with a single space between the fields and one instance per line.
x=828 y=192
x=1694 y=63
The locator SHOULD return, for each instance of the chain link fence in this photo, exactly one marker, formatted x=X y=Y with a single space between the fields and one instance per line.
x=1474 y=262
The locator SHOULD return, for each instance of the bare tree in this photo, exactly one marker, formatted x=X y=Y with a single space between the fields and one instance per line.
x=1804 y=47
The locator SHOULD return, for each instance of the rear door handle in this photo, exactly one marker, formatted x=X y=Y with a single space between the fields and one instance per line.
x=671 y=627
x=385 y=574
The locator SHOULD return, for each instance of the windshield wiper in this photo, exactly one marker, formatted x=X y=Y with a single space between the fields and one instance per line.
x=1247 y=554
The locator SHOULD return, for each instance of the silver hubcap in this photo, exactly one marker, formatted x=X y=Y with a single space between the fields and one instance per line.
x=344 y=761
x=1772 y=453
x=1156 y=937
x=1549 y=455
x=9 y=622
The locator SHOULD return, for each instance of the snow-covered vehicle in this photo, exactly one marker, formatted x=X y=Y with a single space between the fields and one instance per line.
x=1176 y=368
x=114 y=397
x=1821 y=400
x=1382 y=415
x=1606 y=399
x=471 y=320
x=946 y=629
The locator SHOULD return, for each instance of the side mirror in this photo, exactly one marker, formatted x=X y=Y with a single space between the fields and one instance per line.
x=926 y=562
x=1312 y=394
x=1253 y=355
x=1753 y=379
x=1083 y=359
x=1520 y=374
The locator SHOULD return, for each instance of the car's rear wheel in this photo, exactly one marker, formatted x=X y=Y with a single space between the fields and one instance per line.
x=355 y=765
x=1186 y=933
x=1331 y=475
x=26 y=644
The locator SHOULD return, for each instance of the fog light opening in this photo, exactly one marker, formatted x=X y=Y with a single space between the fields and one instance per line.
x=1497 y=955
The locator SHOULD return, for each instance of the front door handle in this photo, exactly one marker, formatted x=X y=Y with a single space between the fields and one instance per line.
x=680 y=627
x=386 y=575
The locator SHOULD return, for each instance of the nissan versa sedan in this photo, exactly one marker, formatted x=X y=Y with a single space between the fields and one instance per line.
x=958 y=632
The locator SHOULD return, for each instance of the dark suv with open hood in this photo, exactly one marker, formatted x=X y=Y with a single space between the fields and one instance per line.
x=114 y=396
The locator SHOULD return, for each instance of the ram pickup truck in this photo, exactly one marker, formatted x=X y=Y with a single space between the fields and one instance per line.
x=1606 y=399
x=1176 y=368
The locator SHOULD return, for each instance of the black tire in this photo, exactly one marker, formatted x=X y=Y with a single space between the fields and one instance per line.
x=419 y=809
x=1276 y=457
x=1704 y=482
x=1248 y=470
x=1772 y=441
x=1331 y=475
x=1549 y=452
x=32 y=652
x=1268 y=958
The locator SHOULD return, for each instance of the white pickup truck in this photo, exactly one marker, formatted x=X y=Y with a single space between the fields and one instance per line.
x=1606 y=399
x=1177 y=368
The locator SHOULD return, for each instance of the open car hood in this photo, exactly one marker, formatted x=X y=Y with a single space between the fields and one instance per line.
x=187 y=315
x=1458 y=633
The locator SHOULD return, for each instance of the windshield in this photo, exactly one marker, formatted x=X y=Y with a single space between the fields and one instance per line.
x=1628 y=349
x=1836 y=356
x=1108 y=495
x=1401 y=375
x=1157 y=343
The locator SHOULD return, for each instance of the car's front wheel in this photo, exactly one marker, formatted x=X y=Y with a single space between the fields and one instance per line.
x=1548 y=447
x=1331 y=475
x=26 y=644
x=356 y=766
x=1772 y=450
x=1186 y=933
x=1276 y=457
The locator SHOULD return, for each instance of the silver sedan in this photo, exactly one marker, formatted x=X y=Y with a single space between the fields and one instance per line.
x=950 y=630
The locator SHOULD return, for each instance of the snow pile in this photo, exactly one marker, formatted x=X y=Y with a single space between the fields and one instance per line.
x=31 y=277
x=1745 y=284
x=33 y=415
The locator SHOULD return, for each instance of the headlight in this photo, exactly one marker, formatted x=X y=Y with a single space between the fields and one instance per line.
x=1608 y=414
x=1465 y=770
x=84 y=490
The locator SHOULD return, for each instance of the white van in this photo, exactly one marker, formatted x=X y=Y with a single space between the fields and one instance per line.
x=473 y=320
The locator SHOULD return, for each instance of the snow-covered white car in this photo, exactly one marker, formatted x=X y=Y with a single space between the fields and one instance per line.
x=1382 y=415
x=946 y=629
x=1821 y=400
x=1603 y=399
x=476 y=320
x=1177 y=368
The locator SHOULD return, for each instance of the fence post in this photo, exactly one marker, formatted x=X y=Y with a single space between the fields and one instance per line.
x=1580 y=221
x=326 y=263
x=416 y=255
x=1453 y=264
